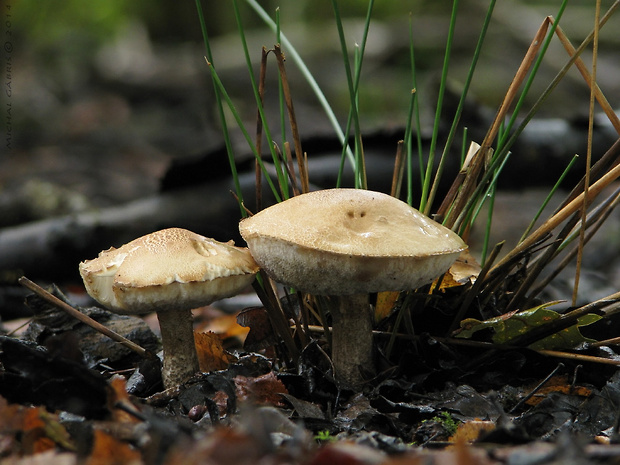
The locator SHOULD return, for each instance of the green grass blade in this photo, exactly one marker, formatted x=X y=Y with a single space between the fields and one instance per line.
x=296 y=58
x=533 y=74
x=442 y=88
x=508 y=137
x=224 y=94
x=469 y=215
x=360 y=172
x=220 y=107
x=280 y=172
x=548 y=198
x=461 y=104
x=464 y=145
x=556 y=80
x=414 y=109
x=281 y=102
x=357 y=74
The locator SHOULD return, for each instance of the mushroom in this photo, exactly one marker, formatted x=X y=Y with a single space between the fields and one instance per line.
x=170 y=272
x=348 y=243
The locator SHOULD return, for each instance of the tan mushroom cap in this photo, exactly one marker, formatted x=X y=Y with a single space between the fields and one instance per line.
x=349 y=241
x=168 y=269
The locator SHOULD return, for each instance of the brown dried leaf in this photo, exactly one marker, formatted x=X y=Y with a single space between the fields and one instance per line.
x=211 y=353
x=469 y=431
x=265 y=389
x=558 y=384
x=348 y=453
x=222 y=446
x=464 y=271
x=36 y=429
x=108 y=450
x=261 y=333
x=226 y=326
x=118 y=394
x=34 y=437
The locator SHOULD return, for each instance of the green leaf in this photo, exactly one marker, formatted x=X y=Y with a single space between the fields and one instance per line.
x=512 y=325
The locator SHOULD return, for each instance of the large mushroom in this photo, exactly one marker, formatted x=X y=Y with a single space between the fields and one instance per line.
x=170 y=272
x=348 y=243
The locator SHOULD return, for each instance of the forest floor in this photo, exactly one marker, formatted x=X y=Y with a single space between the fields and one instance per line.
x=98 y=132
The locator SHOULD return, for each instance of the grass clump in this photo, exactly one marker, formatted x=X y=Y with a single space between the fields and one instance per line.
x=500 y=283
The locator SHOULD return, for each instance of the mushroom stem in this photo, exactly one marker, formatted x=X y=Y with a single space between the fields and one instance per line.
x=177 y=338
x=351 y=340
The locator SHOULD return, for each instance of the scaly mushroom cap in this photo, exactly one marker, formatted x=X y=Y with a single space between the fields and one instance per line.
x=349 y=241
x=169 y=269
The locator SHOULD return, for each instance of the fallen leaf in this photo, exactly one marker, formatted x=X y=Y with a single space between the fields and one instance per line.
x=385 y=304
x=118 y=394
x=265 y=389
x=469 y=431
x=514 y=324
x=211 y=353
x=261 y=333
x=226 y=326
x=347 y=453
x=50 y=457
x=557 y=384
x=108 y=450
x=34 y=437
x=34 y=429
x=464 y=270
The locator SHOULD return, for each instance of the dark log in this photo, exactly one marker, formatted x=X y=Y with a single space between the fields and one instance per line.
x=54 y=247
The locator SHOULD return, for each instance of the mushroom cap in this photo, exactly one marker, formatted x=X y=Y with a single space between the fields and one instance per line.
x=168 y=269
x=349 y=241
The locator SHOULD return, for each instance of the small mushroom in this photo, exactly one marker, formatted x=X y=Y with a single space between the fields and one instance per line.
x=170 y=272
x=348 y=243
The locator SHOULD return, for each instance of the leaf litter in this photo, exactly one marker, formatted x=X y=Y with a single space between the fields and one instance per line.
x=437 y=399
x=445 y=407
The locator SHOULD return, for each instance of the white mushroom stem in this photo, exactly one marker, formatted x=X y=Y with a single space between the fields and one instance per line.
x=177 y=337
x=351 y=340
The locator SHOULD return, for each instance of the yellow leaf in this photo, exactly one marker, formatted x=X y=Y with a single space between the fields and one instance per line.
x=385 y=304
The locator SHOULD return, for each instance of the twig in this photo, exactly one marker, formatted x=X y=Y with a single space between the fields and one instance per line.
x=584 y=208
x=581 y=357
x=563 y=214
x=303 y=175
x=52 y=299
x=490 y=346
x=259 y=131
x=399 y=165
x=536 y=389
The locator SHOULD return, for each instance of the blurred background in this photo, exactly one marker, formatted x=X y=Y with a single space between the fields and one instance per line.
x=107 y=96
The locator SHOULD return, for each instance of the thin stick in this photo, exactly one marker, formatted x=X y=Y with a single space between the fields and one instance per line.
x=52 y=299
x=580 y=357
x=290 y=167
x=536 y=389
x=258 y=186
x=491 y=346
x=598 y=218
x=399 y=164
x=303 y=176
x=606 y=342
x=600 y=97
x=477 y=164
x=584 y=207
x=563 y=214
